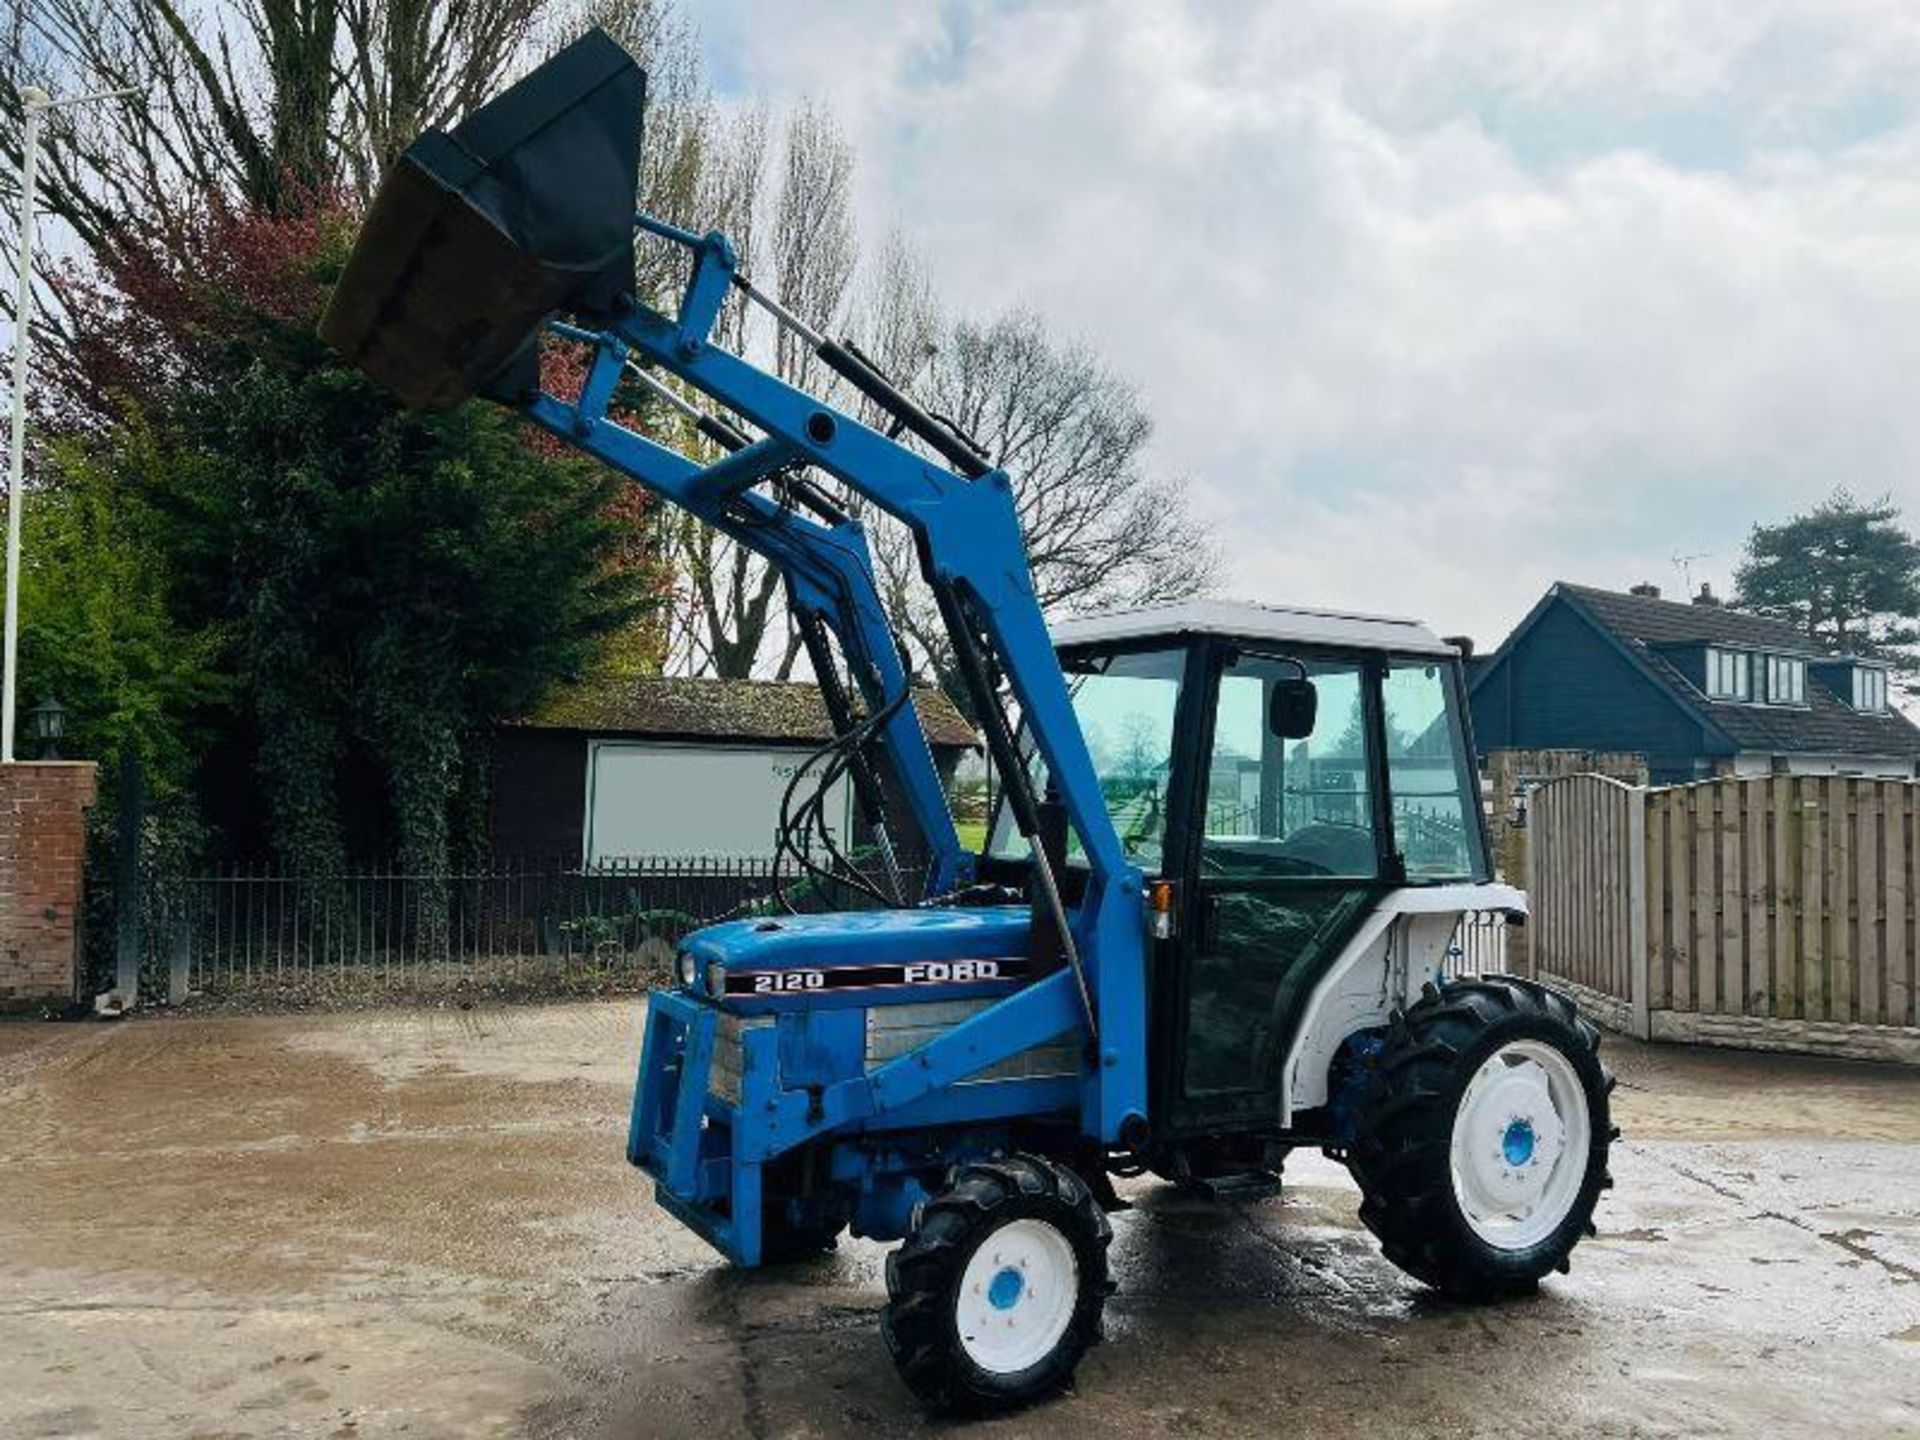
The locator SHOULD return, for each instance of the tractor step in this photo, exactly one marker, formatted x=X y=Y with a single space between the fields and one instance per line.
x=1243 y=1189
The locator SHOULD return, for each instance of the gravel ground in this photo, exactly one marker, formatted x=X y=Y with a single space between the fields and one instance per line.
x=419 y=1223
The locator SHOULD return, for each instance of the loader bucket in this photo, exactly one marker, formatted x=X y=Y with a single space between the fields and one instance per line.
x=477 y=235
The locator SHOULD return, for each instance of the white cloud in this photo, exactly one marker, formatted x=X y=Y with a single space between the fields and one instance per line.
x=1433 y=303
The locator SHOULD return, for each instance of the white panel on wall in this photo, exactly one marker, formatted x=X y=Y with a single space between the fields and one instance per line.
x=645 y=798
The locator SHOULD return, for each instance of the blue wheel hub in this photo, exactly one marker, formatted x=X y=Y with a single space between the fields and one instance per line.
x=1517 y=1144
x=1003 y=1291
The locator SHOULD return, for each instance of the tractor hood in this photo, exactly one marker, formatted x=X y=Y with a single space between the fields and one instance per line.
x=477 y=235
x=903 y=953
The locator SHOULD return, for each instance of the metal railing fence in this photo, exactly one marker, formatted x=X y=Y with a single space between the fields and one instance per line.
x=1479 y=944
x=521 y=924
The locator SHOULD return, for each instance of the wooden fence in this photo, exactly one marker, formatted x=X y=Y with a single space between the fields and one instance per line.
x=1582 y=833
x=1778 y=910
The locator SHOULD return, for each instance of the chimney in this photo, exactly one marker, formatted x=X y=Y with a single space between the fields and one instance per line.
x=1706 y=595
x=1646 y=590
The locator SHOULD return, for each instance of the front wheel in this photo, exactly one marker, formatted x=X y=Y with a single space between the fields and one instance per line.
x=1482 y=1146
x=999 y=1289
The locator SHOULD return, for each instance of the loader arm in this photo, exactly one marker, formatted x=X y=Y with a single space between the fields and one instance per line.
x=521 y=222
x=967 y=533
x=826 y=568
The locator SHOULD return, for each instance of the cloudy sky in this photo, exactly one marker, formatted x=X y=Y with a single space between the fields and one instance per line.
x=1433 y=303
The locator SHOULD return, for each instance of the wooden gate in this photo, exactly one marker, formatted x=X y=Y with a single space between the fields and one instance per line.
x=1585 y=845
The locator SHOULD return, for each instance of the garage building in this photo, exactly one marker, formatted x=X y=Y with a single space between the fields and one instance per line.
x=667 y=766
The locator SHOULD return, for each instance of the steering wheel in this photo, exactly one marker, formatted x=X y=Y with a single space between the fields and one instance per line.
x=1325 y=848
x=1331 y=848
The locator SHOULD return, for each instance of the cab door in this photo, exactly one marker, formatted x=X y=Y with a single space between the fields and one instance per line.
x=1287 y=849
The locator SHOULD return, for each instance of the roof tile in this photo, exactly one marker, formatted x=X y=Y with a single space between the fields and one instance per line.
x=667 y=705
x=1827 y=725
x=1672 y=622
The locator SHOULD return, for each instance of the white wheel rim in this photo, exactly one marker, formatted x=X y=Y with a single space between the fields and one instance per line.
x=1520 y=1141
x=1017 y=1296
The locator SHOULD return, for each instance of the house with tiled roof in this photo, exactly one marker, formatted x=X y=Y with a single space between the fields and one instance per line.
x=1698 y=688
x=653 y=766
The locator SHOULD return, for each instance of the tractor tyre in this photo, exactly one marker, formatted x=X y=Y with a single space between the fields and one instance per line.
x=998 y=1289
x=1483 y=1139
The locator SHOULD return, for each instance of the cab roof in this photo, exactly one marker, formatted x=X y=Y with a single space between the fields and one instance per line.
x=1286 y=624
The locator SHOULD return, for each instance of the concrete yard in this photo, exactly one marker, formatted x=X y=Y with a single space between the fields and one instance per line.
x=420 y=1223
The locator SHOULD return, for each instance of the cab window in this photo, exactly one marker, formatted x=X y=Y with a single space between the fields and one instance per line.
x=1435 y=828
x=1279 y=807
x=1125 y=704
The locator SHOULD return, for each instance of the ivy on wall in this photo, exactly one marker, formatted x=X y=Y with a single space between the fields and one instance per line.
x=247 y=550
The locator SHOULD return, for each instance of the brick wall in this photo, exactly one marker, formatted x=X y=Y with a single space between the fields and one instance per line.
x=42 y=846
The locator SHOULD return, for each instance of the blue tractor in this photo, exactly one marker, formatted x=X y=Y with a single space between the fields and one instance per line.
x=1234 y=849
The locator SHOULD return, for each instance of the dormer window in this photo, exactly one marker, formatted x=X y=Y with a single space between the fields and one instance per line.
x=1786 y=681
x=1729 y=675
x=1869 y=688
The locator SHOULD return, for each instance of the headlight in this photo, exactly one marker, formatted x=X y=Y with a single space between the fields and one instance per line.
x=688 y=970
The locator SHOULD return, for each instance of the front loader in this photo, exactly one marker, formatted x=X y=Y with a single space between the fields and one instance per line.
x=1218 y=914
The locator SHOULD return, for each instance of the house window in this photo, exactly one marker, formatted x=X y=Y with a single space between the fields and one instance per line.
x=1786 y=681
x=1729 y=676
x=1869 y=688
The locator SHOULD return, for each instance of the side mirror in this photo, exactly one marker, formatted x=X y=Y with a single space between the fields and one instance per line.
x=1292 y=708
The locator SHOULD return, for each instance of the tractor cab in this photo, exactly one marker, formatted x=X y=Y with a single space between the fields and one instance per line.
x=1284 y=769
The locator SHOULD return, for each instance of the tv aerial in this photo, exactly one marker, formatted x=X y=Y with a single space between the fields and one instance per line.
x=1684 y=564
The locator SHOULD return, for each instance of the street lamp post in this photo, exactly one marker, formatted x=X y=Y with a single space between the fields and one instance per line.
x=34 y=102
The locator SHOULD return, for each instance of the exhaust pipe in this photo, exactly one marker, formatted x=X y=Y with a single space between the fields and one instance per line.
x=476 y=236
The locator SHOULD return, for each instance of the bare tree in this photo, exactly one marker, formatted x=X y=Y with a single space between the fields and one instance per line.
x=730 y=200
x=732 y=618
x=260 y=105
x=262 y=101
x=139 y=161
x=898 y=325
x=410 y=64
x=897 y=318
x=814 y=249
x=1101 y=527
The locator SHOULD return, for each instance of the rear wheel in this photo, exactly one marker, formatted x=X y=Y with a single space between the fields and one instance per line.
x=998 y=1290
x=1483 y=1143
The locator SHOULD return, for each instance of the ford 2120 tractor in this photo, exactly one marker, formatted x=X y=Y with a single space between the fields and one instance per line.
x=1233 y=851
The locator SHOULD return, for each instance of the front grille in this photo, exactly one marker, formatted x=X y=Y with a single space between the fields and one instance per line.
x=723 y=1078
x=893 y=1030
